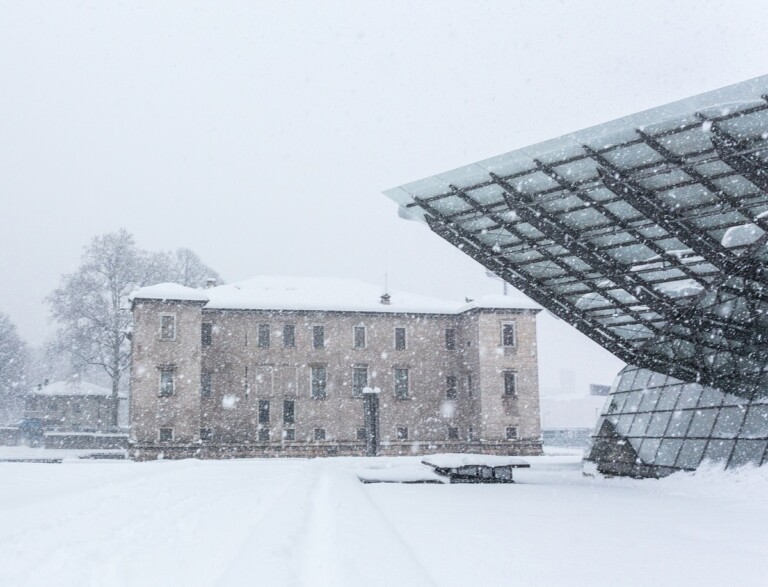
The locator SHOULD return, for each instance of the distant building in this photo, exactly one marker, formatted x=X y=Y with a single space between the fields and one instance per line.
x=67 y=406
x=568 y=419
x=277 y=366
x=601 y=390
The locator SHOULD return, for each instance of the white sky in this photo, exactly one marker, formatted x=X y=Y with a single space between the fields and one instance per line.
x=260 y=134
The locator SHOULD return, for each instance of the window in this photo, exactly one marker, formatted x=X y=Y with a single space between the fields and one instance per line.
x=206 y=334
x=402 y=433
x=318 y=379
x=361 y=435
x=511 y=433
x=263 y=412
x=359 y=380
x=205 y=434
x=401 y=383
x=508 y=337
x=318 y=337
x=289 y=434
x=289 y=413
x=264 y=435
x=510 y=384
x=167 y=327
x=359 y=337
x=263 y=340
x=205 y=384
x=166 y=434
x=469 y=385
x=166 y=382
x=450 y=339
x=453 y=433
x=400 y=339
x=471 y=433
x=289 y=336
x=77 y=408
x=451 y=387
x=319 y=433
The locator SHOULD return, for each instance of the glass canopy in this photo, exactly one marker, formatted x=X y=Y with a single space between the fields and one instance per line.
x=649 y=234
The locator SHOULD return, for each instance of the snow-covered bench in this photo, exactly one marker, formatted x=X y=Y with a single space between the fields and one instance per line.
x=470 y=468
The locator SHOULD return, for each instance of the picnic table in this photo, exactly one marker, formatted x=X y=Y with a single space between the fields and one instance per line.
x=469 y=468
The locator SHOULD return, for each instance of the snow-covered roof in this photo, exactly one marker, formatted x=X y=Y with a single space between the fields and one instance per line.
x=72 y=388
x=323 y=294
x=169 y=291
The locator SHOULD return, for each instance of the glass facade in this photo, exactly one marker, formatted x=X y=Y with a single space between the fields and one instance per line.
x=653 y=424
x=650 y=235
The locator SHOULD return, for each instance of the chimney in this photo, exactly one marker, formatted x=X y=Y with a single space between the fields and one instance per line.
x=385 y=299
x=210 y=282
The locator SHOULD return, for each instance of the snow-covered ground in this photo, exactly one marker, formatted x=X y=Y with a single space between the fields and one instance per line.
x=302 y=522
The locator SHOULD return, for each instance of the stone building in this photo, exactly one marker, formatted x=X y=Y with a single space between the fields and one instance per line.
x=277 y=367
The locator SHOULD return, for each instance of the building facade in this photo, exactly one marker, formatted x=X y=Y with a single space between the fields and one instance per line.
x=277 y=367
x=649 y=234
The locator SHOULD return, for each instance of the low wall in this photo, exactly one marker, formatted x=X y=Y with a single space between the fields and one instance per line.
x=10 y=436
x=312 y=450
x=84 y=440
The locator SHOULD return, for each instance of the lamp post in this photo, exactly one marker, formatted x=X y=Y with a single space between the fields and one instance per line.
x=371 y=419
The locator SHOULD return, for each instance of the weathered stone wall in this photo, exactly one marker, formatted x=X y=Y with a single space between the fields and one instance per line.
x=243 y=374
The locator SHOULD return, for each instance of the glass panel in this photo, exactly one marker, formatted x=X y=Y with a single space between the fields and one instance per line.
x=627 y=378
x=748 y=452
x=650 y=397
x=633 y=401
x=711 y=397
x=658 y=424
x=639 y=425
x=728 y=422
x=616 y=404
x=668 y=452
x=624 y=424
x=718 y=451
x=679 y=423
x=647 y=452
x=756 y=424
x=703 y=420
x=691 y=453
x=668 y=397
x=689 y=396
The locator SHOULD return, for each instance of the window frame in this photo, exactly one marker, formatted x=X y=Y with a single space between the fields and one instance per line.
x=312 y=380
x=451 y=387
x=450 y=339
x=318 y=328
x=511 y=433
x=206 y=334
x=504 y=377
x=206 y=384
x=358 y=328
x=355 y=370
x=395 y=338
x=319 y=435
x=160 y=434
x=264 y=412
x=395 y=382
x=453 y=433
x=161 y=334
x=161 y=390
x=292 y=329
x=504 y=325
x=292 y=412
x=263 y=335
x=289 y=432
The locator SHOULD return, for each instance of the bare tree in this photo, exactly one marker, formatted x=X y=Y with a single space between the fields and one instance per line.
x=12 y=369
x=91 y=305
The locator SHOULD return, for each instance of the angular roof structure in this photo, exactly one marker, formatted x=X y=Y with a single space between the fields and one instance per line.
x=649 y=233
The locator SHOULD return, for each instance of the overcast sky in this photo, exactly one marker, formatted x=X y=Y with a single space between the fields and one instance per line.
x=261 y=134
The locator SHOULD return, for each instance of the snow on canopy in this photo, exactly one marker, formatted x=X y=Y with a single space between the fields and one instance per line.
x=322 y=294
x=81 y=388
